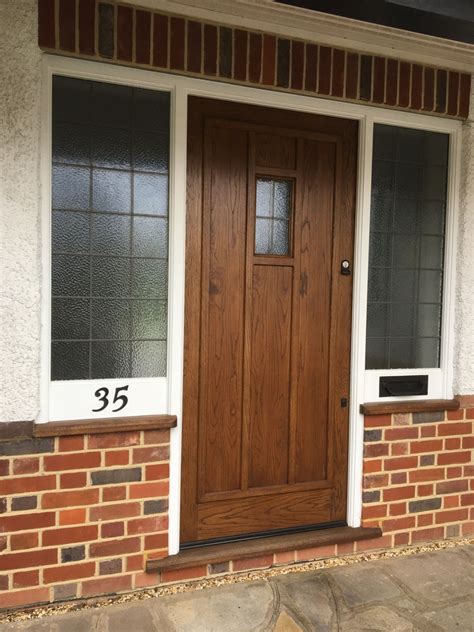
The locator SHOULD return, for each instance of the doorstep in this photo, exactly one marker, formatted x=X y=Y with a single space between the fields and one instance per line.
x=216 y=553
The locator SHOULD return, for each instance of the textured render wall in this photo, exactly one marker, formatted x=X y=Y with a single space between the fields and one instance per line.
x=464 y=350
x=19 y=210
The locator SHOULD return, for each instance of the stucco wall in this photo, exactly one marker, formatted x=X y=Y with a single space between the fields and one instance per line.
x=19 y=208
x=464 y=347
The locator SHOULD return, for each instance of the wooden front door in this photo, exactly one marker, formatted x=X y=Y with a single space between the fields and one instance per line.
x=270 y=218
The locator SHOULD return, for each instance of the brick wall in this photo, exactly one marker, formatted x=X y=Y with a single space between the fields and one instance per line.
x=131 y=36
x=418 y=482
x=78 y=514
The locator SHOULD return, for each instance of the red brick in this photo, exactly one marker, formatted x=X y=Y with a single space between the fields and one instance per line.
x=425 y=490
x=447 y=429
x=112 y=512
x=433 y=445
x=115 y=547
x=468 y=443
x=112 y=530
x=27 y=484
x=68 y=572
x=149 y=490
x=29 y=465
x=30 y=559
x=467 y=500
x=114 y=493
x=134 y=563
x=455 y=415
x=373 y=543
x=72 y=516
x=25 y=579
x=428 y=431
x=467 y=528
x=157 y=555
x=469 y=470
x=337 y=78
x=268 y=60
x=426 y=474
x=375 y=449
x=147 y=525
x=160 y=40
x=4 y=467
x=454 y=472
x=401 y=433
x=210 y=49
x=401 y=463
x=46 y=23
x=402 y=419
x=3 y=543
x=183 y=574
x=106 y=585
x=76 y=461
x=70 y=499
x=117 y=457
x=377 y=421
x=157 y=472
x=73 y=480
x=451 y=487
x=372 y=466
x=145 y=455
x=470 y=413
x=156 y=541
x=67 y=25
x=379 y=80
x=400 y=539
x=143 y=37
x=262 y=561
x=84 y=533
x=398 y=524
x=26 y=522
x=285 y=557
x=22 y=541
x=424 y=520
x=451 y=501
x=453 y=443
x=156 y=437
x=425 y=535
x=87 y=27
x=399 y=493
x=397 y=509
x=144 y=580
x=345 y=548
x=399 y=449
x=454 y=515
x=25 y=597
x=352 y=75
x=255 y=57
x=71 y=444
x=375 y=481
x=312 y=553
x=450 y=458
x=374 y=511
x=398 y=478
x=125 y=33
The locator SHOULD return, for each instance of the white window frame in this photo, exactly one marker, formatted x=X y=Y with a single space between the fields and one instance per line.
x=180 y=88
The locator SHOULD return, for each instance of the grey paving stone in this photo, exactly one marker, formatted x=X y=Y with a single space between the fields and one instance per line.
x=131 y=619
x=376 y=619
x=235 y=608
x=364 y=584
x=309 y=597
x=459 y=617
x=436 y=576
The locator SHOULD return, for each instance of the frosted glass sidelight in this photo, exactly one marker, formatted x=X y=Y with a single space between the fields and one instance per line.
x=406 y=251
x=273 y=215
x=109 y=231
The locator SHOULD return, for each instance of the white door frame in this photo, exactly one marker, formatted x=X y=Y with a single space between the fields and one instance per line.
x=180 y=88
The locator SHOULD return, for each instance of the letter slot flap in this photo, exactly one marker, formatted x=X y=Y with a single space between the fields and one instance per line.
x=403 y=385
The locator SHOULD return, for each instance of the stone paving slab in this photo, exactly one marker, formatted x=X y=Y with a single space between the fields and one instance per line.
x=428 y=592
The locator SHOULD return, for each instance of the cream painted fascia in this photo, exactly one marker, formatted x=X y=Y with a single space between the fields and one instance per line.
x=313 y=26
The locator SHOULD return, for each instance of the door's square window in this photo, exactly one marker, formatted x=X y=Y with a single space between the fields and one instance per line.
x=274 y=199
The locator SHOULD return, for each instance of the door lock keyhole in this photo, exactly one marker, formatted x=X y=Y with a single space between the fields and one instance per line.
x=345 y=267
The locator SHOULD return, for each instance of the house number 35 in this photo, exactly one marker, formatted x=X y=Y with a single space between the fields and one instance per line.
x=102 y=395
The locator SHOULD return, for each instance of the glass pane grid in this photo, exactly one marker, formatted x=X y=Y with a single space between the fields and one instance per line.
x=406 y=248
x=273 y=214
x=110 y=231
